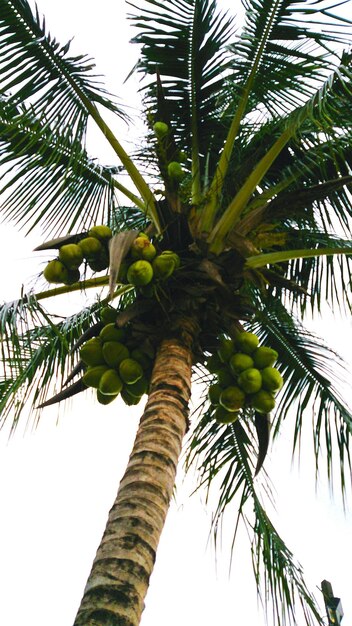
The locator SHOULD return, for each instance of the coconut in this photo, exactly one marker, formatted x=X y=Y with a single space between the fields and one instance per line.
x=142 y=248
x=264 y=357
x=246 y=342
x=161 y=129
x=225 y=350
x=128 y=398
x=140 y=273
x=91 y=248
x=56 y=272
x=114 y=352
x=130 y=371
x=171 y=254
x=263 y=401
x=142 y=358
x=71 y=255
x=103 y=233
x=100 y=263
x=73 y=276
x=225 y=378
x=240 y=362
x=91 y=352
x=232 y=398
x=222 y=416
x=163 y=266
x=108 y=315
x=214 y=392
x=93 y=375
x=271 y=379
x=250 y=380
x=139 y=388
x=110 y=383
x=104 y=399
x=175 y=171
x=213 y=364
x=110 y=332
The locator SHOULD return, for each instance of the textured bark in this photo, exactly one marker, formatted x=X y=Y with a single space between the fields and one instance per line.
x=118 y=582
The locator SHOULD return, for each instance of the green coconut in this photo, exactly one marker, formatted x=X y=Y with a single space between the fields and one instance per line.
x=100 y=263
x=163 y=266
x=130 y=371
x=173 y=255
x=110 y=332
x=71 y=255
x=110 y=383
x=73 y=276
x=225 y=378
x=225 y=350
x=104 y=399
x=140 y=273
x=175 y=171
x=128 y=398
x=250 y=380
x=56 y=272
x=263 y=401
x=271 y=379
x=246 y=342
x=264 y=357
x=92 y=376
x=161 y=129
x=139 y=388
x=232 y=398
x=213 y=364
x=114 y=352
x=108 y=315
x=214 y=392
x=142 y=358
x=222 y=416
x=91 y=248
x=103 y=233
x=91 y=352
x=142 y=248
x=240 y=362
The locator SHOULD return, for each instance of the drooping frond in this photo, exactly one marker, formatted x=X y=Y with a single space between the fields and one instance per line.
x=37 y=72
x=47 y=180
x=313 y=375
x=224 y=457
x=35 y=347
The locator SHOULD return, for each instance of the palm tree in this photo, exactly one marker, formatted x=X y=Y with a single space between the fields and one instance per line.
x=241 y=187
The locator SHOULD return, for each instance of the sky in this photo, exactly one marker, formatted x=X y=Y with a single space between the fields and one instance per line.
x=58 y=481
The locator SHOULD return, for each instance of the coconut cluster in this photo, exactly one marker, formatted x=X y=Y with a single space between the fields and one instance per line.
x=143 y=266
x=93 y=249
x=115 y=365
x=245 y=377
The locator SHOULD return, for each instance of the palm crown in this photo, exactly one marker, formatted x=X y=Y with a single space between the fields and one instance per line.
x=248 y=147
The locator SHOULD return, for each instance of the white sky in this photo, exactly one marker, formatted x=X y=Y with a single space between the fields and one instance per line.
x=57 y=483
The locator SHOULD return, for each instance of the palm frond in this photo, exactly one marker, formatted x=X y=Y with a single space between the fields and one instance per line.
x=320 y=116
x=50 y=181
x=224 y=456
x=185 y=44
x=38 y=72
x=281 y=48
x=35 y=347
x=313 y=374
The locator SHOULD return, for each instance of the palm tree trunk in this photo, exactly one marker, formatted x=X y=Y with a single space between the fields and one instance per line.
x=118 y=582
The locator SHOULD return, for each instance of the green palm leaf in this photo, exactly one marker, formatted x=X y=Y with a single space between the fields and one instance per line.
x=312 y=374
x=185 y=43
x=224 y=457
x=38 y=72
